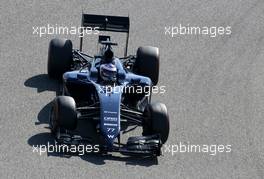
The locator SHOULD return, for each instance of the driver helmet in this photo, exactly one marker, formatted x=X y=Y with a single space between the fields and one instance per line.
x=108 y=72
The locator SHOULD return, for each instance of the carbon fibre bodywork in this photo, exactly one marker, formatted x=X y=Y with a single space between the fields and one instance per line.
x=82 y=85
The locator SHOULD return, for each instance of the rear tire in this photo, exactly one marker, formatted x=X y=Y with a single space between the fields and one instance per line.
x=59 y=57
x=147 y=63
x=157 y=121
x=63 y=114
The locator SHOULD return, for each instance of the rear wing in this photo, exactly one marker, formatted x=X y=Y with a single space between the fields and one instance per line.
x=106 y=23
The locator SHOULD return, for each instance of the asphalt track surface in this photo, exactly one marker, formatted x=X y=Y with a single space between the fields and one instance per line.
x=214 y=88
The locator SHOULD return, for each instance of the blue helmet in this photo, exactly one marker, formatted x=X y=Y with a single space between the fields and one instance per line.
x=108 y=72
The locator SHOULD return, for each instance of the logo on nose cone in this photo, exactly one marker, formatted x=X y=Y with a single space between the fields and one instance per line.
x=110 y=136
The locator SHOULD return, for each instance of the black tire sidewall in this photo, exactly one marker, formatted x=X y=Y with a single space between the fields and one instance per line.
x=147 y=63
x=157 y=121
x=54 y=123
x=59 y=57
x=64 y=113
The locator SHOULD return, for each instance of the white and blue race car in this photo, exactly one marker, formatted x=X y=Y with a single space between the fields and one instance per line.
x=104 y=91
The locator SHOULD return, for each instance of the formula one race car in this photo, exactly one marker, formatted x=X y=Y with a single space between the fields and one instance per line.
x=113 y=94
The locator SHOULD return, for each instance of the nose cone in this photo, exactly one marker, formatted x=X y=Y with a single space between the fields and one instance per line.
x=110 y=114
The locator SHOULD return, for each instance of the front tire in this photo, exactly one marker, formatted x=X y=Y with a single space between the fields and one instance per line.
x=63 y=114
x=59 y=57
x=156 y=121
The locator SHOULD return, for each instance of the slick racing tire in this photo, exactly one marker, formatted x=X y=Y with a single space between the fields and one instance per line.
x=147 y=63
x=59 y=57
x=63 y=114
x=156 y=121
